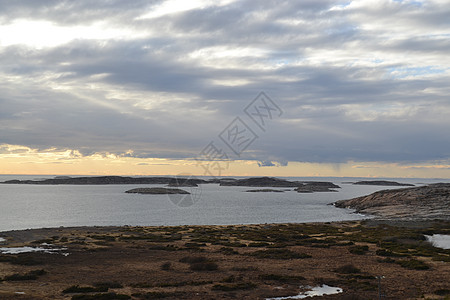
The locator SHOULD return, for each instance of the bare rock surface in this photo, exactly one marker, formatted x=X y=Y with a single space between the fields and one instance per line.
x=426 y=202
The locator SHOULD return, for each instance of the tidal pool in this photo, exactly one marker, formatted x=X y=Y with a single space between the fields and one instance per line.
x=439 y=240
x=314 y=291
x=19 y=250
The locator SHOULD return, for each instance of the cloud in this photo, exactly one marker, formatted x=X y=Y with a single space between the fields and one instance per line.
x=269 y=163
x=265 y=164
x=113 y=76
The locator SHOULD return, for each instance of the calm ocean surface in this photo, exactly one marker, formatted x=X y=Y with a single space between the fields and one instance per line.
x=37 y=206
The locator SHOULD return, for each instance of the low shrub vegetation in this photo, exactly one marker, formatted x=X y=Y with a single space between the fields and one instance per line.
x=22 y=260
x=228 y=251
x=32 y=275
x=166 y=266
x=109 y=285
x=347 y=269
x=359 y=250
x=204 y=266
x=413 y=264
x=199 y=263
x=282 y=278
x=84 y=289
x=279 y=254
x=193 y=259
x=384 y=252
x=157 y=295
x=234 y=287
x=107 y=296
x=442 y=292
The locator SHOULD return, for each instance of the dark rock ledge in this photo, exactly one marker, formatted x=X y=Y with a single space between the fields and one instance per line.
x=156 y=191
x=265 y=191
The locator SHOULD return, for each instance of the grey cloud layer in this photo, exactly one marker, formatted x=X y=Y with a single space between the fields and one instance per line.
x=352 y=86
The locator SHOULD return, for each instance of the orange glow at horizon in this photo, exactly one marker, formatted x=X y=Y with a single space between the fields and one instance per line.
x=18 y=160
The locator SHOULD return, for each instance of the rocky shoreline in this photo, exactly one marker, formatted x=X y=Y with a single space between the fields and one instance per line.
x=425 y=202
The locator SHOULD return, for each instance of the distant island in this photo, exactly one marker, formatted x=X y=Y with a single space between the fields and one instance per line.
x=425 y=202
x=300 y=186
x=382 y=182
x=175 y=181
x=260 y=182
x=156 y=191
x=265 y=191
x=317 y=186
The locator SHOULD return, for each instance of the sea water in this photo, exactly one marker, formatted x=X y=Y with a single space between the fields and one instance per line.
x=36 y=206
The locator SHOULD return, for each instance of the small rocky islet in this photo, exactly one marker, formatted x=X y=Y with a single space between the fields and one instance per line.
x=157 y=191
x=382 y=183
x=265 y=191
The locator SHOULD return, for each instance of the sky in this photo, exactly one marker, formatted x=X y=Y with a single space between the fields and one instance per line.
x=349 y=88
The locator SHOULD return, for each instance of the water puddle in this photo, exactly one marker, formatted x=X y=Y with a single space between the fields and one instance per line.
x=19 y=250
x=439 y=240
x=314 y=291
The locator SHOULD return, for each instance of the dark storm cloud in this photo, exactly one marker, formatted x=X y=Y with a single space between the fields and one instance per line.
x=350 y=88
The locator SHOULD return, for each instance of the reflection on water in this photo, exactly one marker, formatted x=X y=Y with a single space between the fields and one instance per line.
x=314 y=291
x=439 y=240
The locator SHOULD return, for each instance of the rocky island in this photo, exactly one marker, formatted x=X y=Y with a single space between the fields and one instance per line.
x=425 y=202
x=156 y=191
x=301 y=186
x=97 y=180
x=317 y=186
x=264 y=191
x=260 y=182
x=382 y=182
